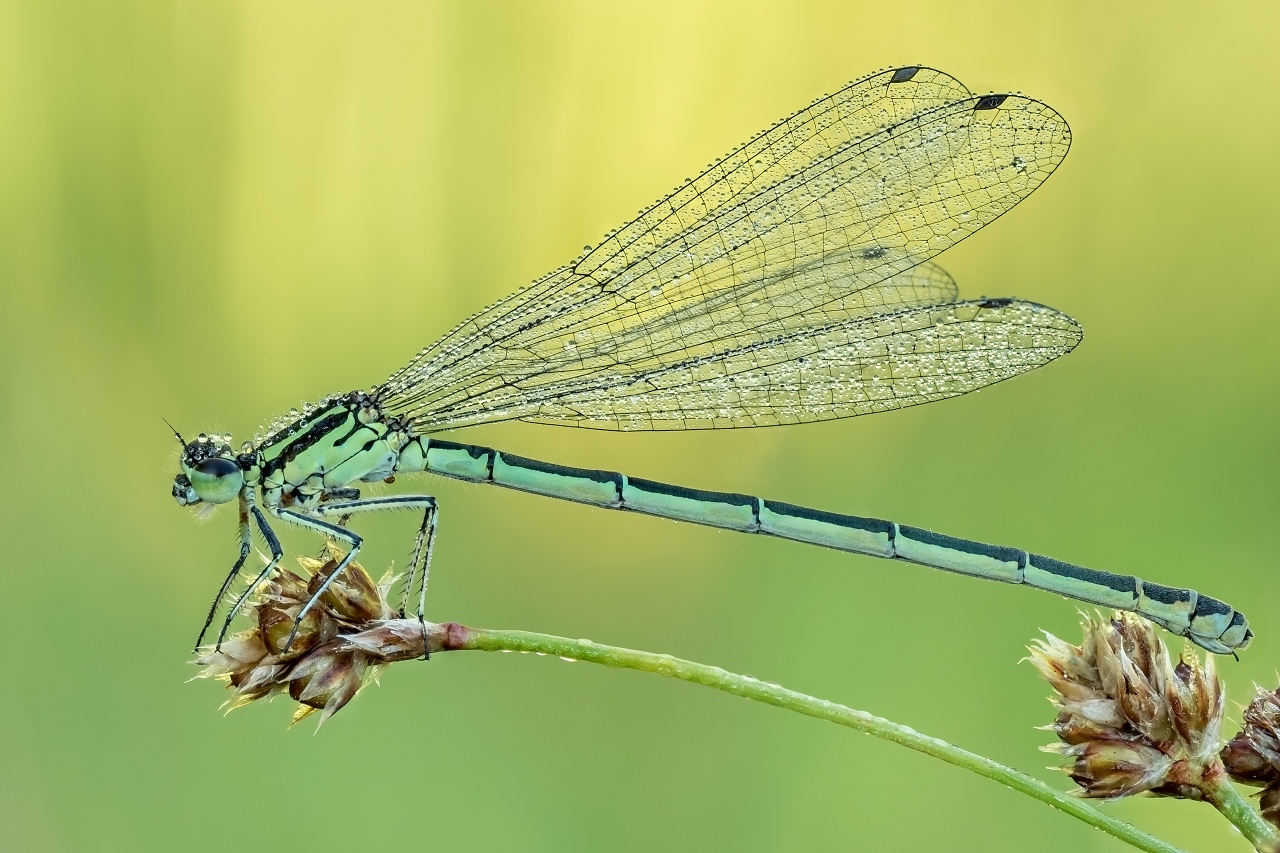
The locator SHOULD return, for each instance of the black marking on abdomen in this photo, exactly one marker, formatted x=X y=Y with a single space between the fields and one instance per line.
x=852 y=522
x=1120 y=583
x=1207 y=606
x=730 y=498
x=1002 y=553
x=475 y=451
x=562 y=470
x=1162 y=594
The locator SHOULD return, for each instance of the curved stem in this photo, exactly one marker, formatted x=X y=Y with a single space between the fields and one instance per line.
x=454 y=637
x=1224 y=797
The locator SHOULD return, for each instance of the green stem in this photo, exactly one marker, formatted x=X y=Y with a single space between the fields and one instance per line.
x=452 y=636
x=1219 y=791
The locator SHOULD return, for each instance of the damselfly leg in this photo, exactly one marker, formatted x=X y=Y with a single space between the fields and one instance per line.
x=273 y=543
x=245 y=543
x=345 y=509
x=427 y=537
x=315 y=521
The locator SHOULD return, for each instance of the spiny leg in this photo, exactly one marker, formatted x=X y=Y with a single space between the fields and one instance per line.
x=353 y=541
x=276 y=553
x=427 y=535
x=422 y=549
x=426 y=573
x=344 y=495
x=245 y=544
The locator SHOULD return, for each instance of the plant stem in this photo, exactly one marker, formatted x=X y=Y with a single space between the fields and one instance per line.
x=451 y=637
x=1219 y=791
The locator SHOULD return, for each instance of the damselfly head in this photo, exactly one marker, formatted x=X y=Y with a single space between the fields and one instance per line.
x=210 y=473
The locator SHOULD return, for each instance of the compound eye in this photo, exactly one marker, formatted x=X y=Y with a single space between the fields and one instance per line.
x=216 y=479
x=216 y=466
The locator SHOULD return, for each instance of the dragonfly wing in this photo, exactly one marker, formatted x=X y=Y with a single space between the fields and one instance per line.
x=784 y=236
x=874 y=364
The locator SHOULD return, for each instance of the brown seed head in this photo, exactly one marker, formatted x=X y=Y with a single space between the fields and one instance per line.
x=1129 y=718
x=1269 y=805
x=327 y=679
x=1253 y=755
x=1114 y=768
x=321 y=671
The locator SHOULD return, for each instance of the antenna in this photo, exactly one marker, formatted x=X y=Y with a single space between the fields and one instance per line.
x=176 y=434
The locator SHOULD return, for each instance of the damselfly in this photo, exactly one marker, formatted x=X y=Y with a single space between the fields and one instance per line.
x=789 y=282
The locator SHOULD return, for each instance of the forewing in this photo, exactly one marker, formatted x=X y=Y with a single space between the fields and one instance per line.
x=783 y=237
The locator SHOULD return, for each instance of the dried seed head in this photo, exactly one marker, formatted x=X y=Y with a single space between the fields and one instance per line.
x=275 y=624
x=321 y=671
x=328 y=678
x=353 y=596
x=1253 y=756
x=1131 y=719
x=1112 y=769
x=1269 y=805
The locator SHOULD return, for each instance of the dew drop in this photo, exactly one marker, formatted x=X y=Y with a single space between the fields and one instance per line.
x=293 y=412
x=656 y=290
x=246 y=446
x=202 y=438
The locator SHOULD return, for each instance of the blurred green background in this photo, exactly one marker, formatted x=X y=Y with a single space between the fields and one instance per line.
x=210 y=211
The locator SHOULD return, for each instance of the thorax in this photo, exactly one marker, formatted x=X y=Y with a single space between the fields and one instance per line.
x=342 y=440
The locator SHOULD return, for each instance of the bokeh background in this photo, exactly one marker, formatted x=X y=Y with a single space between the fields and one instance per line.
x=210 y=211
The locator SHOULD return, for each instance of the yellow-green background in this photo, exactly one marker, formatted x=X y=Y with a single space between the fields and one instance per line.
x=210 y=211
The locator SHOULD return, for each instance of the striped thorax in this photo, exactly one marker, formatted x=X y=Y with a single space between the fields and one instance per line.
x=342 y=441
